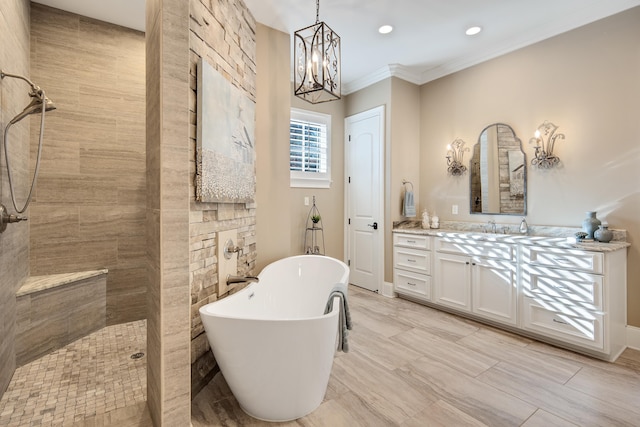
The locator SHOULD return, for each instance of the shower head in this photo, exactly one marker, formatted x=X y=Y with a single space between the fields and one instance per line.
x=35 y=106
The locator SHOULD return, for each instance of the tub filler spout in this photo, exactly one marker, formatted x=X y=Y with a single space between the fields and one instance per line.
x=241 y=279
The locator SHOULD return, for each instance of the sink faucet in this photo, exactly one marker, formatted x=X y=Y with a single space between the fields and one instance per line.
x=493 y=226
x=241 y=279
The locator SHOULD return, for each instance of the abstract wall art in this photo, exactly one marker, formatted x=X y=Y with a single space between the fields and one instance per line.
x=225 y=171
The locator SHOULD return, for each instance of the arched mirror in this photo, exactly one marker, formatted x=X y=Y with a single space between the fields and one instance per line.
x=498 y=178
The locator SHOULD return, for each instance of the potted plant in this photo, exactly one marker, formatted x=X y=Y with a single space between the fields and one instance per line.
x=315 y=219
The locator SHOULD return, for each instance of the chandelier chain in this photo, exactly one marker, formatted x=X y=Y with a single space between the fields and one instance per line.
x=317 y=11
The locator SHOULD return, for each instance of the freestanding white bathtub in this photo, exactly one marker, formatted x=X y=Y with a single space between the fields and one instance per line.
x=274 y=345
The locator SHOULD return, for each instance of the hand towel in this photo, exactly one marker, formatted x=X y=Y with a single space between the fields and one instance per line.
x=408 y=207
x=344 y=316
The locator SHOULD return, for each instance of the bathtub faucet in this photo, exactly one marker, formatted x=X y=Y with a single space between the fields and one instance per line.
x=241 y=279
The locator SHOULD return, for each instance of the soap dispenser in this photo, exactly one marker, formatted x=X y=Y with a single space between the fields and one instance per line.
x=524 y=229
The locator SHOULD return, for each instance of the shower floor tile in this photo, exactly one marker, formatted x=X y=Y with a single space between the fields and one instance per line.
x=88 y=379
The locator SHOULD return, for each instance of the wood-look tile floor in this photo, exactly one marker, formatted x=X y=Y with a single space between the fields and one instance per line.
x=410 y=365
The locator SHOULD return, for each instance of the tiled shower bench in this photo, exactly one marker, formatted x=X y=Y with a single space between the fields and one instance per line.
x=57 y=309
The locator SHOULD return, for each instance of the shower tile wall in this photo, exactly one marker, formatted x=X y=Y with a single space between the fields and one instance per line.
x=14 y=242
x=224 y=34
x=90 y=201
x=167 y=123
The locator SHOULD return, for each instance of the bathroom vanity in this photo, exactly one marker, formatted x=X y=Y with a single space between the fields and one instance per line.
x=568 y=294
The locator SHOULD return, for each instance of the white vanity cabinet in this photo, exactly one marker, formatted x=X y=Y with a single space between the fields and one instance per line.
x=575 y=296
x=476 y=277
x=544 y=288
x=412 y=265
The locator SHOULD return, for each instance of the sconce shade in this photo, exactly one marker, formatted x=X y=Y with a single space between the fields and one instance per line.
x=316 y=76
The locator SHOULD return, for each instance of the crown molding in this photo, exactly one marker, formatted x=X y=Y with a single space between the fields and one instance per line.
x=391 y=70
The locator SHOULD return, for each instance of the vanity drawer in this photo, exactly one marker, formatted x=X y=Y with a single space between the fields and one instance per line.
x=564 y=322
x=411 y=259
x=475 y=248
x=573 y=259
x=413 y=284
x=416 y=241
x=575 y=287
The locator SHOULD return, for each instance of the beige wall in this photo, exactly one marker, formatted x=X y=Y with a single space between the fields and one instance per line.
x=405 y=138
x=585 y=81
x=89 y=206
x=225 y=37
x=273 y=217
x=281 y=213
x=14 y=242
x=329 y=201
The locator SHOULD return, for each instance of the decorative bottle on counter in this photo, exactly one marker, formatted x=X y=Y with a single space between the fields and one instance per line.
x=435 y=221
x=425 y=219
x=590 y=224
x=603 y=234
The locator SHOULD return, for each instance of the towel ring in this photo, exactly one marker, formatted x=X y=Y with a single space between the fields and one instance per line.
x=405 y=182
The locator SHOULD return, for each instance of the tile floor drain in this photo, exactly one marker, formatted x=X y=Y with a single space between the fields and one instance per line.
x=137 y=355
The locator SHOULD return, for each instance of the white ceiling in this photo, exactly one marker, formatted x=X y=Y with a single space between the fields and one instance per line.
x=428 y=40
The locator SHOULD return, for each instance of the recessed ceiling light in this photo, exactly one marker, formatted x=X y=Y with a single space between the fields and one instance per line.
x=385 y=29
x=472 y=31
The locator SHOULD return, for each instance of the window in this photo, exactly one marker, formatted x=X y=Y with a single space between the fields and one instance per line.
x=309 y=149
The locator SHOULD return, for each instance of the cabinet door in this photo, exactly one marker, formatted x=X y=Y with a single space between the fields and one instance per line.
x=494 y=290
x=452 y=281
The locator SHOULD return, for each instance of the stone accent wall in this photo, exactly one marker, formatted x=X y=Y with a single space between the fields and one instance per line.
x=14 y=242
x=223 y=33
x=89 y=208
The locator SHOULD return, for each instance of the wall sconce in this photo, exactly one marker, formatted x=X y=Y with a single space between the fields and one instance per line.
x=316 y=73
x=455 y=152
x=545 y=139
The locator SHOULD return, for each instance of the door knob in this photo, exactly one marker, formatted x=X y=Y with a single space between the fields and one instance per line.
x=374 y=225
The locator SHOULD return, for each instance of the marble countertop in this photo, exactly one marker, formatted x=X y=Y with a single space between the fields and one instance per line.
x=539 y=240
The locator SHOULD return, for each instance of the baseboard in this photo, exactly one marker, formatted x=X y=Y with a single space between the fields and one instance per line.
x=387 y=290
x=633 y=337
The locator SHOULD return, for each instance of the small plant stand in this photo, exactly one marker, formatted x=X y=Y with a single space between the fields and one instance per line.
x=314 y=233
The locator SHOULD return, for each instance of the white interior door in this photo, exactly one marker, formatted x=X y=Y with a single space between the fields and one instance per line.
x=365 y=232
